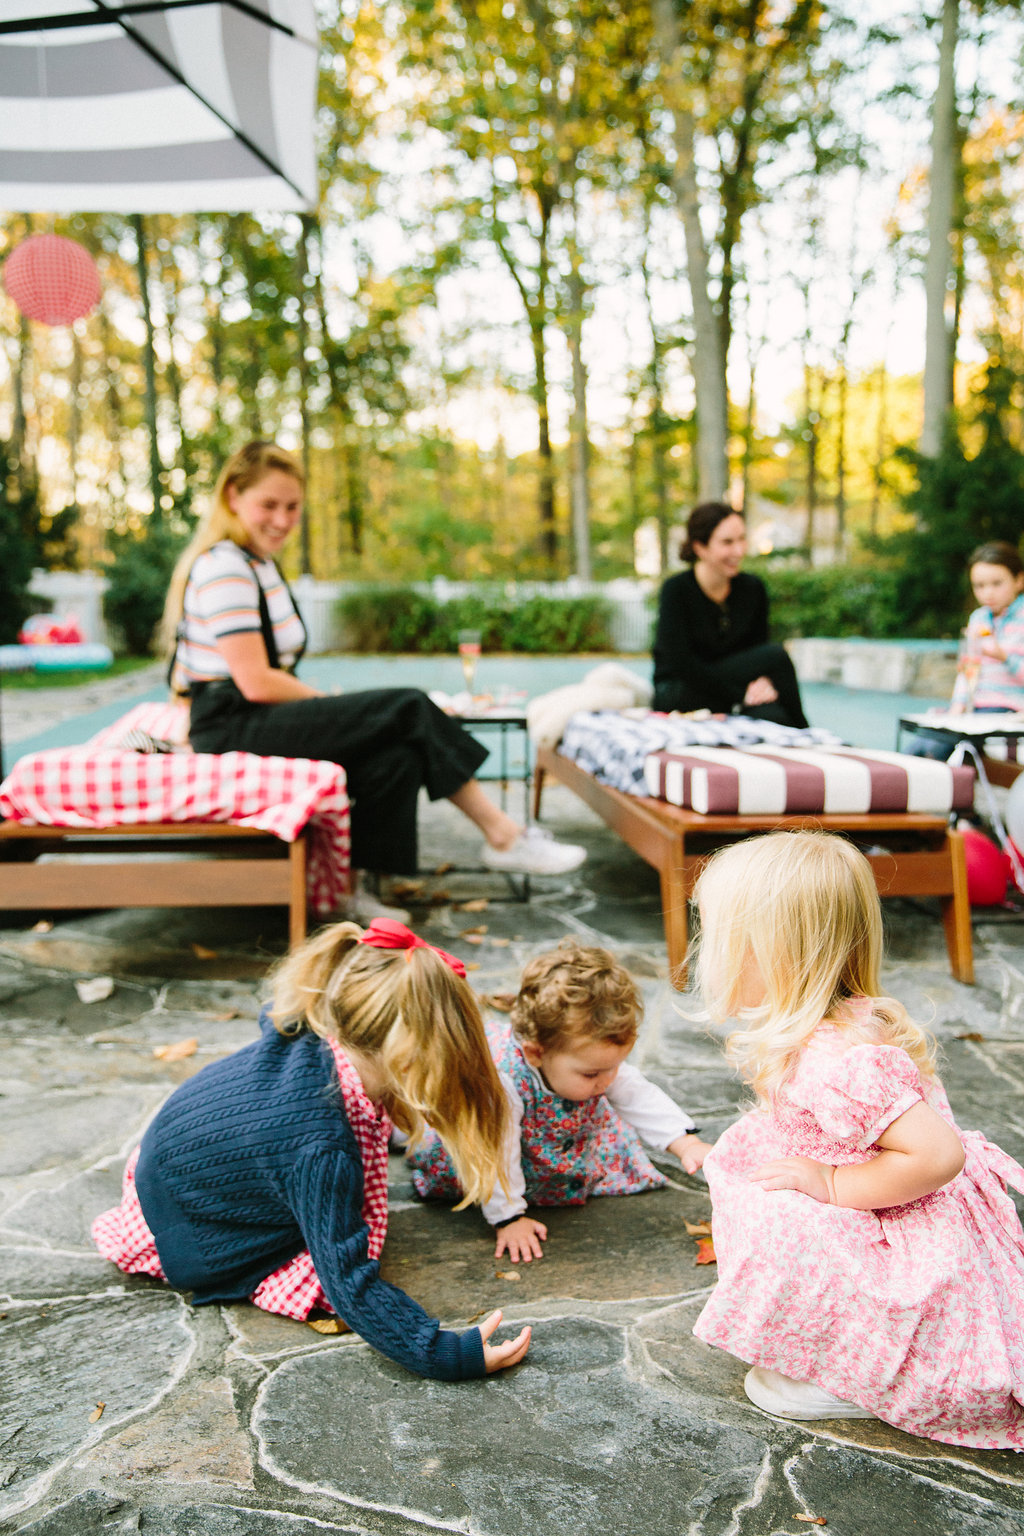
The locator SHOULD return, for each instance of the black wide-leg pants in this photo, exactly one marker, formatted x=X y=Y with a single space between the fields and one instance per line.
x=391 y=742
x=733 y=673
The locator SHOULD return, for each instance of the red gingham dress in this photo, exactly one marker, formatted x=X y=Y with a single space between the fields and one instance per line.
x=293 y=1290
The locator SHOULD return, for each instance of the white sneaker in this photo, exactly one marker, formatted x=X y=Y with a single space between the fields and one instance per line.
x=789 y=1399
x=534 y=852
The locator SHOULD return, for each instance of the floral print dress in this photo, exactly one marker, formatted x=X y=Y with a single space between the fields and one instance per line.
x=914 y=1312
x=570 y=1151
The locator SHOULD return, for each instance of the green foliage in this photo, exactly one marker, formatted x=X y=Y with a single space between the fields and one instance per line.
x=137 y=579
x=19 y=545
x=958 y=503
x=835 y=600
x=399 y=619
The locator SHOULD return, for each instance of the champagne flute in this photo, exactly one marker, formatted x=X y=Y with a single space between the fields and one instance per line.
x=469 y=654
x=969 y=663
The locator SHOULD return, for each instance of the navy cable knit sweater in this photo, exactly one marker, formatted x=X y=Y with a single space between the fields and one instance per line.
x=251 y=1161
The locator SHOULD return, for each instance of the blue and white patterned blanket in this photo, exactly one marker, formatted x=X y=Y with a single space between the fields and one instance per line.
x=613 y=745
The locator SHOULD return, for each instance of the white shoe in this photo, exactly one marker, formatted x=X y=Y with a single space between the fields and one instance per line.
x=534 y=852
x=789 y=1399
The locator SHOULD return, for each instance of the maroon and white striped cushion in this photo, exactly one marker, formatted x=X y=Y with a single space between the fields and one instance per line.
x=839 y=781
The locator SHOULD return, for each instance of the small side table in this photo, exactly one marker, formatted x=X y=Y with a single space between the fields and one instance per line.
x=977 y=729
x=514 y=767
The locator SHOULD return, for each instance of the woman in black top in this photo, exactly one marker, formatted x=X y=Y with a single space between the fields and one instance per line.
x=711 y=648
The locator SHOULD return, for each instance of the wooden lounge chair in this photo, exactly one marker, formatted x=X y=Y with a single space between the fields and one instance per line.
x=927 y=859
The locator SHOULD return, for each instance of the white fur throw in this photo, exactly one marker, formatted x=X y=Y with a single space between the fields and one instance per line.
x=609 y=686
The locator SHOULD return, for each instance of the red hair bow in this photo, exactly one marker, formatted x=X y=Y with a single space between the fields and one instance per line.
x=385 y=933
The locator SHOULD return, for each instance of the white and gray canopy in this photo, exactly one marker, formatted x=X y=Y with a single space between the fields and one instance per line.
x=157 y=105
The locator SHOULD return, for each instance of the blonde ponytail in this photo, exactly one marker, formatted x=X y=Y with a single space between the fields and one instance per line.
x=409 y=1012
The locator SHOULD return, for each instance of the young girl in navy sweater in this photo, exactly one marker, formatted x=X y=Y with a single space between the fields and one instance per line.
x=265 y=1175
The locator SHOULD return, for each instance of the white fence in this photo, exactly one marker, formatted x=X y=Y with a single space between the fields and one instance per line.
x=79 y=594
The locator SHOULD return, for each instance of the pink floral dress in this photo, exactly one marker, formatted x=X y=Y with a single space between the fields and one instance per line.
x=915 y=1312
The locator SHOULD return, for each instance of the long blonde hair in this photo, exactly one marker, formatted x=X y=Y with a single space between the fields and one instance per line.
x=419 y=1023
x=794 y=916
x=245 y=468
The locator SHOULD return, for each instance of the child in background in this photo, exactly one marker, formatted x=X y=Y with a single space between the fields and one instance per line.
x=577 y=1104
x=265 y=1175
x=997 y=631
x=870 y=1260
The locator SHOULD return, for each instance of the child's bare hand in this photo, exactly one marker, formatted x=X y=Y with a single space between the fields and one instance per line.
x=800 y=1173
x=521 y=1239
x=690 y=1150
x=498 y=1357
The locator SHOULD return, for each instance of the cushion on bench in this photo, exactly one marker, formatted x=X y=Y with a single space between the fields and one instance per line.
x=95 y=785
x=762 y=781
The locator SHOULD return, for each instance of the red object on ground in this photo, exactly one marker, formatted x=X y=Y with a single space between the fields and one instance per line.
x=988 y=869
x=52 y=279
x=44 y=629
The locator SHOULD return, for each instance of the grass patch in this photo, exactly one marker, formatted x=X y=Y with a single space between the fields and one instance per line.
x=73 y=677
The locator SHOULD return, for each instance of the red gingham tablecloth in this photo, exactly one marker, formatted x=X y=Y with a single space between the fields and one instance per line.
x=96 y=785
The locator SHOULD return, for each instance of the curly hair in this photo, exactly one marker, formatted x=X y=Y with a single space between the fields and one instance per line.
x=576 y=990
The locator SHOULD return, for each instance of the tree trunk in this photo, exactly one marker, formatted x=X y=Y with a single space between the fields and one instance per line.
x=149 y=357
x=579 y=495
x=942 y=189
x=708 y=363
x=75 y=411
x=305 y=372
x=659 y=446
x=843 y=389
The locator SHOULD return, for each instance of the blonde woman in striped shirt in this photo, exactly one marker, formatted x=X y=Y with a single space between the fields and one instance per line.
x=236 y=637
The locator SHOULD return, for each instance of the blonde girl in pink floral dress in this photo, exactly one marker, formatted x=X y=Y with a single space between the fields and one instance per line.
x=870 y=1260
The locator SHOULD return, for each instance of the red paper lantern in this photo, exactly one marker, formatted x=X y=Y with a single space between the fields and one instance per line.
x=52 y=279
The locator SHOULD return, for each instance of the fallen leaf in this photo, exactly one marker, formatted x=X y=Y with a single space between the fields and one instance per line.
x=44 y=925
x=95 y=989
x=443 y=869
x=472 y=965
x=480 y=928
x=97 y=1413
x=972 y=1034
x=812 y=1519
x=484 y=1312
x=229 y=1013
x=705 y=1251
x=178 y=1051
x=698 y=1228
x=480 y=904
x=202 y=953
x=501 y=943
x=403 y=888
x=473 y=938
x=327 y=1325
x=501 y=1001
x=439 y=898
x=507 y=1274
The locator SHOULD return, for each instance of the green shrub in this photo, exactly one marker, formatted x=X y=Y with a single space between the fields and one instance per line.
x=834 y=600
x=399 y=619
x=137 y=582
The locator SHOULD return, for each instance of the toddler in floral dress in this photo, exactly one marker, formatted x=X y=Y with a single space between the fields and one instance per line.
x=579 y=1109
x=870 y=1260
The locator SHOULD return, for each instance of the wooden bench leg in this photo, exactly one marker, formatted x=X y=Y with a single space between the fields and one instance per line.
x=956 y=914
x=297 y=886
x=538 y=790
x=674 y=914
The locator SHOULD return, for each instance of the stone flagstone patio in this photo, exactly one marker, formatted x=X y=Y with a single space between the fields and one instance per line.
x=224 y=1421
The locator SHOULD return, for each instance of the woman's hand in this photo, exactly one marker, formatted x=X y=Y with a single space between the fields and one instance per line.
x=800 y=1173
x=498 y=1357
x=760 y=691
x=522 y=1239
x=690 y=1150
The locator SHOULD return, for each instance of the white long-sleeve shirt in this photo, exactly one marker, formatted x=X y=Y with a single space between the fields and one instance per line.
x=651 y=1113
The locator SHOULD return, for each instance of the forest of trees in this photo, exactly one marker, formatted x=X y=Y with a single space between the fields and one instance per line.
x=536 y=205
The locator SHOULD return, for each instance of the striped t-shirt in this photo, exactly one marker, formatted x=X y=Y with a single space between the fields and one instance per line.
x=221 y=599
x=1000 y=683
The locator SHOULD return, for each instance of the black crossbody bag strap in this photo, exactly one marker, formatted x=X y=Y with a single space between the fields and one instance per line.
x=266 y=627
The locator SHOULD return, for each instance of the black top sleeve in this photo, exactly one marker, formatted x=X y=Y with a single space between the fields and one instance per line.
x=694 y=635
